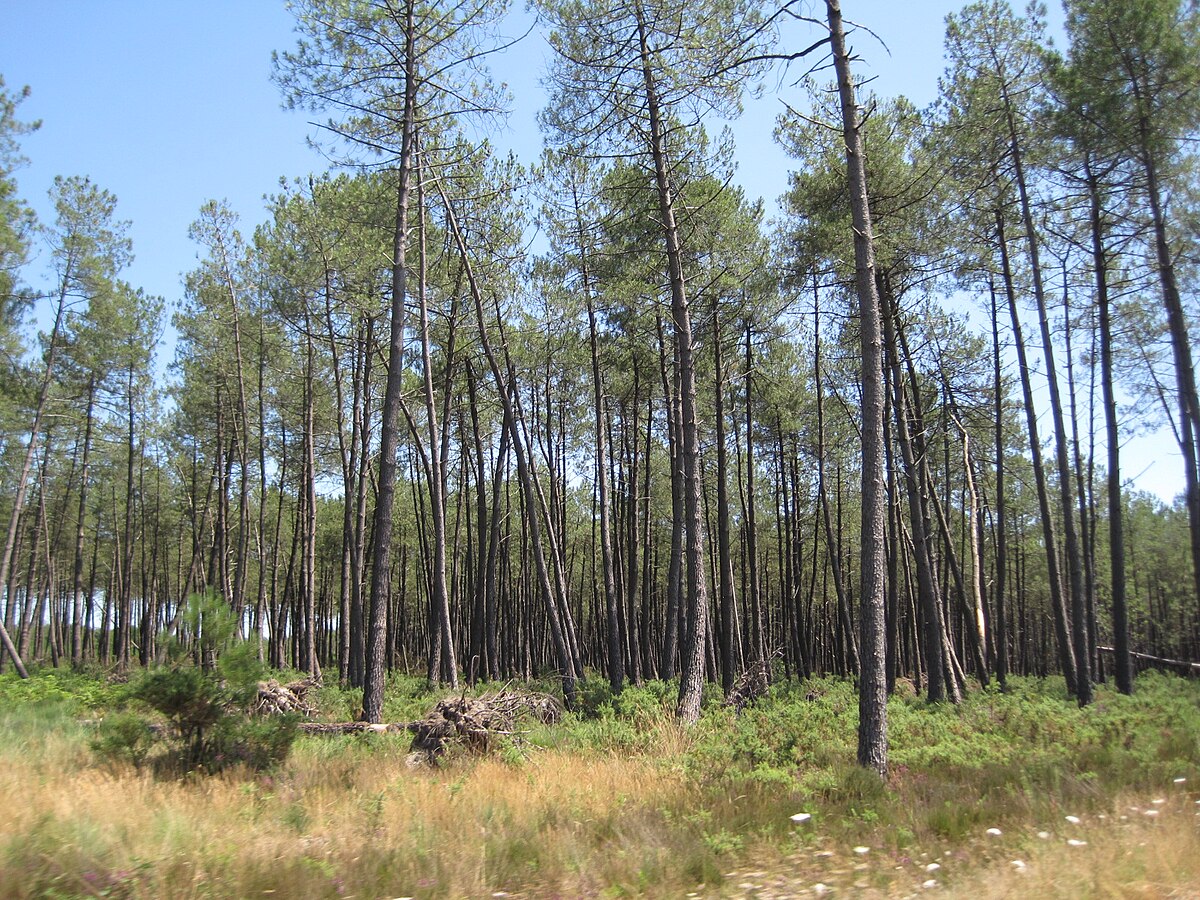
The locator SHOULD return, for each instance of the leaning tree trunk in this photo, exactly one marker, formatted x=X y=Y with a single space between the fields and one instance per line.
x=30 y=452
x=1181 y=349
x=927 y=587
x=1066 y=657
x=556 y=613
x=1083 y=678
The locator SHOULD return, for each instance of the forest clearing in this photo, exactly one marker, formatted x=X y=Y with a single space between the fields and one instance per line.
x=1007 y=795
x=567 y=525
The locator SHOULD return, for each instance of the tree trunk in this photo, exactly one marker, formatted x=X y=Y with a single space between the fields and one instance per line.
x=1083 y=678
x=1116 y=505
x=1001 y=629
x=696 y=617
x=872 y=706
x=381 y=557
x=724 y=558
x=1058 y=610
x=80 y=527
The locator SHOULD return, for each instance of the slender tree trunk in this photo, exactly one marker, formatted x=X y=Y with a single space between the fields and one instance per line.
x=437 y=485
x=872 y=707
x=1083 y=678
x=1001 y=629
x=696 y=617
x=1081 y=496
x=758 y=641
x=1058 y=609
x=832 y=544
x=80 y=527
x=724 y=558
x=1116 y=505
x=672 y=623
x=616 y=661
x=308 y=525
x=381 y=557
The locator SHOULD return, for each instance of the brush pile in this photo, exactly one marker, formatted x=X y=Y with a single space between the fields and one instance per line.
x=477 y=723
x=752 y=684
x=274 y=699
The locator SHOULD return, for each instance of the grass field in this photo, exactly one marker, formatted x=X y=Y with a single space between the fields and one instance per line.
x=619 y=801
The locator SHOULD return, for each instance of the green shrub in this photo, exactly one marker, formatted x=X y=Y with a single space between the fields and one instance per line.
x=256 y=743
x=192 y=702
x=123 y=737
x=209 y=729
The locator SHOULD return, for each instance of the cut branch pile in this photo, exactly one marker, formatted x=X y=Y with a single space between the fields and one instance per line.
x=753 y=683
x=476 y=722
x=275 y=699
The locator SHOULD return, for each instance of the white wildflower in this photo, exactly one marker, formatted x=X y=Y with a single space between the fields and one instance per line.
x=801 y=818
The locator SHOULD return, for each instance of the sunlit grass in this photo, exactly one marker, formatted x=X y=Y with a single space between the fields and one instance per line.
x=623 y=802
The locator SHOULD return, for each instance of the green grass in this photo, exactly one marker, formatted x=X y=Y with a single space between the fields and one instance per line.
x=618 y=800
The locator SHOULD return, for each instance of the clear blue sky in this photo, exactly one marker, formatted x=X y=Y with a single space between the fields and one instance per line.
x=169 y=103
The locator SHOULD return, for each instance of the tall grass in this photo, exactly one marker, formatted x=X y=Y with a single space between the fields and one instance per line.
x=619 y=801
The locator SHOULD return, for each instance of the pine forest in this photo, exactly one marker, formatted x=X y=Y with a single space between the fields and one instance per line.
x=601 y=421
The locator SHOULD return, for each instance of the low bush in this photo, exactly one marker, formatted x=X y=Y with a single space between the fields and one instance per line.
x=206 y=730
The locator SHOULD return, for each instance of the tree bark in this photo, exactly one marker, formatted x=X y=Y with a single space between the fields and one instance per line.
x=1116 y=505
x=872 y=707
x=696 y=617
x=381 y=556
x=1058 y=610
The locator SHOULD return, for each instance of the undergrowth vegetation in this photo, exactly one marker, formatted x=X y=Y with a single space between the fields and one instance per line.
x=616 y=800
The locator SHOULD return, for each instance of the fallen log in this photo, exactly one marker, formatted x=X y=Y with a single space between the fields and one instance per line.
x=354 y=727
x=1191 y=667
x=471 y=722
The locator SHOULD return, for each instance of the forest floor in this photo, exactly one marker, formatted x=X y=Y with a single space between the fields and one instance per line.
x=1019 y=794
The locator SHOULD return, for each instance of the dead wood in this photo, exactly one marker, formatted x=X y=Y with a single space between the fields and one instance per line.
x=275 y=699
x=353 y=727
x=1192 y=668
x=478 y=723
x=751 y=684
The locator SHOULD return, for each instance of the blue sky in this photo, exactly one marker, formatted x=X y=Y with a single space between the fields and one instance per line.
x=169 y=104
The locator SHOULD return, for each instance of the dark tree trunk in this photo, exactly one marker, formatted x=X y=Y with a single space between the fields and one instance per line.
x=872 y=708
x=381 y=556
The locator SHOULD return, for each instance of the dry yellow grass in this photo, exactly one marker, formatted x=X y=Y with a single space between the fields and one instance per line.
x=333 y=820
x=350 y=817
